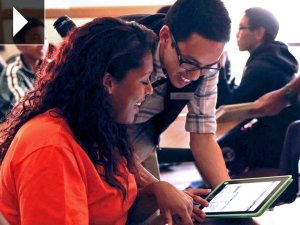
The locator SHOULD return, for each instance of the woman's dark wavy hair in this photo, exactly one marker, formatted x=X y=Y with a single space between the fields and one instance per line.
x=72 y=84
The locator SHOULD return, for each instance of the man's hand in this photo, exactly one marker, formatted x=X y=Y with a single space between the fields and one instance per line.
x=198 y=214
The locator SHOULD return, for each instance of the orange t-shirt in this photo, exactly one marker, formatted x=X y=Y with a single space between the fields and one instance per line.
x=47 y=178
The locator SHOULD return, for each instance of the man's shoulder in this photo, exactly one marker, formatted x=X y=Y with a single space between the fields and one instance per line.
x=258 y=70
x=2 y=66
x=14 y=64
x=16 y=67
x=267 y=66
x=152 y=21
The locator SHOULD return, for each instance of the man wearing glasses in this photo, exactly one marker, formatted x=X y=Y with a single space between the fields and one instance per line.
x=269 y=67
x=192 y=37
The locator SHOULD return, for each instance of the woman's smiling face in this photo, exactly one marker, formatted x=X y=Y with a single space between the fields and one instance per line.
x=127 y=95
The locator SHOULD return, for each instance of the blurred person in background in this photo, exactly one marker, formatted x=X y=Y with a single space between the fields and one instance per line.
x=18 y=77
x=164 y=9
x=2 y=61
x=270 y=66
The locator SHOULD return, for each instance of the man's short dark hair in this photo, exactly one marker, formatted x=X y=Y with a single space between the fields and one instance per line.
x=259 y=17
x=208 y=18
x=32 y=22
x=164 y=9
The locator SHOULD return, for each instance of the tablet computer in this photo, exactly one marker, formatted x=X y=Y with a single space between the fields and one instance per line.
x=248 y=197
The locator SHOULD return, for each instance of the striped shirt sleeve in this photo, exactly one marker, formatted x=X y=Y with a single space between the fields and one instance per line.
x=201 y=108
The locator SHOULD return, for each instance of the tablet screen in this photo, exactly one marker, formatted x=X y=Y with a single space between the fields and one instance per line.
x=241 y=197
x=244 y=195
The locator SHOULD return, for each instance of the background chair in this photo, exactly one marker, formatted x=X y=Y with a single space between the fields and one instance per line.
x=289 y=161
x=288 y=165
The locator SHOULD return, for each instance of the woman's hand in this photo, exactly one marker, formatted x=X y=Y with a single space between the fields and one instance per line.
x=172 y=203
x=177 y=206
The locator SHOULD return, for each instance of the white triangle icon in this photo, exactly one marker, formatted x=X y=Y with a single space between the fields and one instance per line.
x=18 y=21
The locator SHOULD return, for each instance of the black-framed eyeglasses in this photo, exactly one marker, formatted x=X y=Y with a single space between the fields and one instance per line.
x=193 y=66
x=245 y=28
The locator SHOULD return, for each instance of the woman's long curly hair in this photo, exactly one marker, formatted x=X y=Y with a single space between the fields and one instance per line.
x=72 y=84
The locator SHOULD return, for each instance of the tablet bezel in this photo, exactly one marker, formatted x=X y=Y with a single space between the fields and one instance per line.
x=284 y=181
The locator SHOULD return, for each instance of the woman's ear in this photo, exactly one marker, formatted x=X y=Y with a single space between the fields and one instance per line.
x=108 y=82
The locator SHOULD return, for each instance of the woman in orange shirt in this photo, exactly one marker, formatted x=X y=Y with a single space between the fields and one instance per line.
x=65 y=154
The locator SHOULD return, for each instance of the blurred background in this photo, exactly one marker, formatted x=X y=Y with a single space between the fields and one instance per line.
x=82 y=11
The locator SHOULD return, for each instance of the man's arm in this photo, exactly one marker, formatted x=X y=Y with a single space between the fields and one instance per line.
x=144 y=177
x=273 y=102
x=295 y=85
x=209 y=158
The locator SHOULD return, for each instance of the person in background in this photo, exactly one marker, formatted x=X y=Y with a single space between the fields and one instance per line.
x=19 y=76
x=225 y=72
x=2 y=61
x=269 y=67
x=164 y=9
x=68 y=160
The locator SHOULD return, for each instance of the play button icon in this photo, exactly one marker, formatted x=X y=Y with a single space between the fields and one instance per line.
x=18 y=21
x=16 y=15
